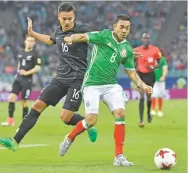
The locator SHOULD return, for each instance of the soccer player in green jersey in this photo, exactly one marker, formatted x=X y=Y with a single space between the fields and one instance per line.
x=109 y=51
x=159 y=86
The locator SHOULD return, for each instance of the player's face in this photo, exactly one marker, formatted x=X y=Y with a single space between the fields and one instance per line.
x=145 y=41
x=29 y=42
x=122 y=29
x=66 y=20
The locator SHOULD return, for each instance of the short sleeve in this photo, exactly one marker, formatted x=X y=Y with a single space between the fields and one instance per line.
x=95 y=37
x=158 y=53
x=164 y=62
x=53 y=38
x=129 y=61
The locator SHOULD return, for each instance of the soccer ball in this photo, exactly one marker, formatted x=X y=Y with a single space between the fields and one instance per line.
x=165 y=158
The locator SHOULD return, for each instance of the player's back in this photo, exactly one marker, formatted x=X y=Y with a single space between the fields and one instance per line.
x=107 y=55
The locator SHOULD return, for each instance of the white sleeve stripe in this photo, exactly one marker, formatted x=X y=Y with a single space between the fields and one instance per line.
x=87 y=37
x=164 y=66
x=129 y=68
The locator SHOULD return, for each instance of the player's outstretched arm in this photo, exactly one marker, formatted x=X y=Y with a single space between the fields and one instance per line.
x=41 y=37
x=136 y=79
x=76 y=38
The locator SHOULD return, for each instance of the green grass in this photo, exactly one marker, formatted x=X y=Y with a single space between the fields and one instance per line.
x=86 y=157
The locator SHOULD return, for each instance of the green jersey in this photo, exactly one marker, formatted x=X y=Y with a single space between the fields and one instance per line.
x=159 y=71
x=106 y=57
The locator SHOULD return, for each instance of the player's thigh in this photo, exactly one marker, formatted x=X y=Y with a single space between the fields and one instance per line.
x=26 y=90
x=158 y=89
x=115 y=98
x=74 y=96
x=53 y=92
x=91 y=97
x=16 y=87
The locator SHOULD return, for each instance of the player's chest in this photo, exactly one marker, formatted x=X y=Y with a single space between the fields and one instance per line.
x=148 y=56
x=65 y=48
x=25 y=59
x=119 y=50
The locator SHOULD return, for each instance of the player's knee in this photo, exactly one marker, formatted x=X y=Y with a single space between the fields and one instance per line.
x=24 y=103
x=12 y=97
x=66 y=116
x=119 y=113
x=39 y=106
x=91 y=119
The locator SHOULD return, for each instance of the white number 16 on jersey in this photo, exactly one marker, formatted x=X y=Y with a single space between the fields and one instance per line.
x=64 y=47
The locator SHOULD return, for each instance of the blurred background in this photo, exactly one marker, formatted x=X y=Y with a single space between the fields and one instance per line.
x=166 y=22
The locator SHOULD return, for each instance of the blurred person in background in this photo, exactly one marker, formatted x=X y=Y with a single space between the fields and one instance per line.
x=28 y=64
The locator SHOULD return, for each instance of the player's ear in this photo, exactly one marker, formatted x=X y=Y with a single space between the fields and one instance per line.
x=114 y=25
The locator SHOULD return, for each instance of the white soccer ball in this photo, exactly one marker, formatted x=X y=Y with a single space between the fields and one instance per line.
x=165 y=158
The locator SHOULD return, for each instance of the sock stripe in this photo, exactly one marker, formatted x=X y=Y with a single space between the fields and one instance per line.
x=85 y=125
x=120 y=122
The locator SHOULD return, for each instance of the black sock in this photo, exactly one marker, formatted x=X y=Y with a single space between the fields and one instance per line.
x=141 y=109
x=27 y=123
x=25 y=112
x=75 y=119
x=149 y=107
x=11 y=108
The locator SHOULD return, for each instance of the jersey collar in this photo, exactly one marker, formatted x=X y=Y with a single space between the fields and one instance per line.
x=116 y=40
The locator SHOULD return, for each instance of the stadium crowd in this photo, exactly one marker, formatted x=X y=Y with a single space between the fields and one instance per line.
x=146 y=17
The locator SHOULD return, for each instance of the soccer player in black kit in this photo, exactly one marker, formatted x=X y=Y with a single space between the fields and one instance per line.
x=28 y=64
x=68 y=81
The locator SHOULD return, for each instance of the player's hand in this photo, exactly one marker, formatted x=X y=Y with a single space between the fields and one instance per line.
x=23 y=72
x=137 y=54
x=30 y=26
x=148 y=89
x=162 y=78
x=68 y=40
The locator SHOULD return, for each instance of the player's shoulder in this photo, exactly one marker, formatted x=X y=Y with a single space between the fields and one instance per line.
x=138 y=48
x=58 y=29
x=82 y=28
x=154 y=47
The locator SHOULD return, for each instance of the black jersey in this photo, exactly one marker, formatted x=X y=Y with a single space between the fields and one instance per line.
x=27 y=61
x=72 y=58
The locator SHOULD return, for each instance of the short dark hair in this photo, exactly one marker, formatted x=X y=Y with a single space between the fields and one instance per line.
x=123 y=17
x=66 y=7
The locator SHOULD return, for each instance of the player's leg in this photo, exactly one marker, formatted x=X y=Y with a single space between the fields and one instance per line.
x=71 y=105
x=26 y=92
x=115 y=99
x=141 y=102
x=16 y=88
x=91 y=97
x=49 y=96
x=141 y=108
x=149 y=79
x=154 y=98
x=160 y=98
x=25 y=107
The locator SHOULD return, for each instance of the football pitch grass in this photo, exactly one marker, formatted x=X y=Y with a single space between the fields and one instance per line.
x=86 y=157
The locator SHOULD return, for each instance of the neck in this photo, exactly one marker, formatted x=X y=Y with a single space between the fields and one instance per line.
x=28 y=49
x=116 y=37
x=68 y=29
x=145 y=46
